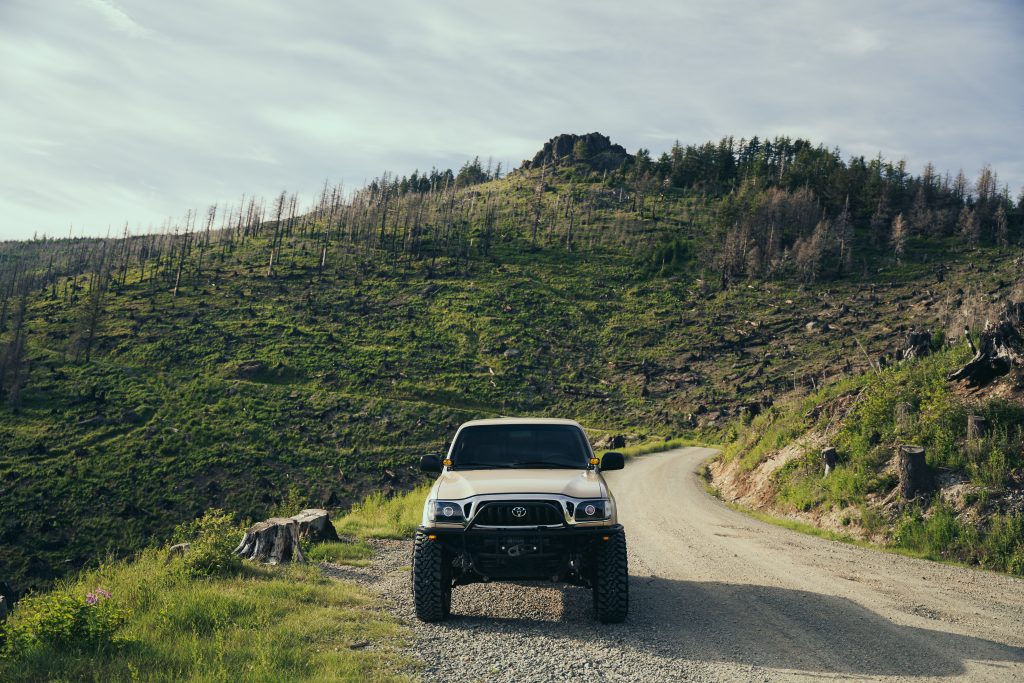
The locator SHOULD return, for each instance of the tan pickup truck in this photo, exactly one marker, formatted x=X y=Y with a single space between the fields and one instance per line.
x=520 y=499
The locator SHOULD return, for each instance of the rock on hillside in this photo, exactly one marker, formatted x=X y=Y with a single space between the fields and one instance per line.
x=593 y=149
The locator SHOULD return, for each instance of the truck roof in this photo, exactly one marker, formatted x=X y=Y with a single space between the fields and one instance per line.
x=522 y=421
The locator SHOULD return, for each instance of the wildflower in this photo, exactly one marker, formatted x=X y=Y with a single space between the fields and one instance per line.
x=103 y=592
x=91 y=598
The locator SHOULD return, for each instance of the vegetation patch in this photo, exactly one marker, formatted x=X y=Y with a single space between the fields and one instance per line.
x=974 y=516
x=154 y=622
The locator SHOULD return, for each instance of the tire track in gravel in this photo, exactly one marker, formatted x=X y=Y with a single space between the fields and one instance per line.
x=716 y=595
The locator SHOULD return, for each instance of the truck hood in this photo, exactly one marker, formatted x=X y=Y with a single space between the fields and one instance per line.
x=573 y=483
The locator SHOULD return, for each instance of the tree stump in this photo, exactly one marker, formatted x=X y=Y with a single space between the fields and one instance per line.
x=917 y=345
x=977 y=427
x=315 y=526
x=915 y=476
x=273 y=541
x=178 y=550
x=1000 y=348
x=3 y=608
x=828 y=455
x=904 y=416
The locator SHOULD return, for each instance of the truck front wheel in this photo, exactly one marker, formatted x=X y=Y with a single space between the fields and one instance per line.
x=611 y=579
x=431 y=579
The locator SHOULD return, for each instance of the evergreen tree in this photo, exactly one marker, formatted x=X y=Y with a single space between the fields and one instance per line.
x=880 y=220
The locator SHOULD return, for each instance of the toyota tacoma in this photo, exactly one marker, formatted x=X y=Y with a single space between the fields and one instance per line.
x=520 y=500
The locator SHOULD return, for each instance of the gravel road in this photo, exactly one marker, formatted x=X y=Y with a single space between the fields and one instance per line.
x=716 y=595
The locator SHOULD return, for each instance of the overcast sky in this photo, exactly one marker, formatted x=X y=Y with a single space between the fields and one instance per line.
x=135 y=110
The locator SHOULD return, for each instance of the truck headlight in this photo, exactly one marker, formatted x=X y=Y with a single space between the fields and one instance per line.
x=446 y=512
x=593 y=510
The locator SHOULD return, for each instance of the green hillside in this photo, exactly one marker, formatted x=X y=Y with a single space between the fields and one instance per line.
x=974 y=515
x=268 y=350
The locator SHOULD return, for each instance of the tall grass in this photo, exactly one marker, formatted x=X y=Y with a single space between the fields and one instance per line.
x=379 y=516
x=265 y=624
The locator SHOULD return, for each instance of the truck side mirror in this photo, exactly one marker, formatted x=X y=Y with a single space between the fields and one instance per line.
x=430 y=463
x=612 y=461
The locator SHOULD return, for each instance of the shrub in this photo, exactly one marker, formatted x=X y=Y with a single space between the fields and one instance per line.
x=939 y=536
x=294 y=501
x=63 y=620
x=212 y=539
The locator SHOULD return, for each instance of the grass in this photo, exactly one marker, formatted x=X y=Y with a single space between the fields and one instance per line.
x=380 y=516
x=353 y=553
x=264 y=624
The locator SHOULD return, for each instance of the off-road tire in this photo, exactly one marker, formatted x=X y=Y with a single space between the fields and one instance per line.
x=431 y=580
x=611 y=580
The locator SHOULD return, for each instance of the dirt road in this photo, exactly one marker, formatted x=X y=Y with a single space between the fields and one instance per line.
x=719 y=596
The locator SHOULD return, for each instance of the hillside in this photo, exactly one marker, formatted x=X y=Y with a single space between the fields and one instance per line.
x=261 y=352
x=971 y=506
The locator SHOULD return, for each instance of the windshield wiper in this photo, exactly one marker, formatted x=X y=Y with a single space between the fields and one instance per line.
x=546 y=464
x=477 y=465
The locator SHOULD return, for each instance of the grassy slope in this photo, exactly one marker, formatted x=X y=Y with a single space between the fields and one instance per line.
x=372 y=363
x=976 y=520
x=266 y=624
x=253 y=623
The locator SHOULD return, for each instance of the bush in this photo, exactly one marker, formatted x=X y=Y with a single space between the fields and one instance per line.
x=62 y=620
x=212 y=539
x=940 y=536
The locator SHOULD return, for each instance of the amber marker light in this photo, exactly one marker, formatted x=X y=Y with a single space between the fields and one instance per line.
x=606 y=538
x=446 y=462
x=433 y=537
x=594 y=461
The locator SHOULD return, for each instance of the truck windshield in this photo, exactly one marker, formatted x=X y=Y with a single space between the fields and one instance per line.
x=523 y=446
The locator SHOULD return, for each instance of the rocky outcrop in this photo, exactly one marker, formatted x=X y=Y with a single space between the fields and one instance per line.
x=592 y=149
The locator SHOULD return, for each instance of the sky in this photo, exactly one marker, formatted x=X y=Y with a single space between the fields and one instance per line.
x=134 y=111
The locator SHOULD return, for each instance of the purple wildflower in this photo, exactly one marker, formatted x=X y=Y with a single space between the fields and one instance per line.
x=91 y=598
x=103 y=592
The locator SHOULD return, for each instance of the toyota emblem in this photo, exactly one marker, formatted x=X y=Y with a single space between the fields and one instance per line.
x=519 y=511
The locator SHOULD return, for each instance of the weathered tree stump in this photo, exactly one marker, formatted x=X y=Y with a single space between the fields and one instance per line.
x=828 y=456
x=917 y=345
x=915 y=476
x=904 y=414
x=977 y=427
x=3 y=608
x=273 y=541
x=315 y=526
x=999 y=349
x=178 y=550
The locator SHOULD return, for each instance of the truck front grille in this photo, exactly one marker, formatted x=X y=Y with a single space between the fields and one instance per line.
x=526 y=513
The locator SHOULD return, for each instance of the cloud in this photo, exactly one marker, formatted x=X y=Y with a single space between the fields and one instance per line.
x=120 y=110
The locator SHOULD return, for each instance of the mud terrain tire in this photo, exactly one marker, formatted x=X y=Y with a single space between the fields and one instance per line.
x=431 y=580
x=611 y=580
